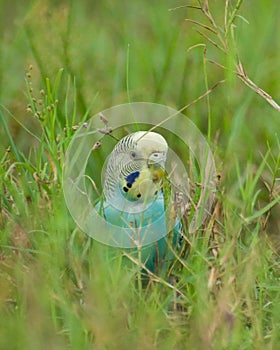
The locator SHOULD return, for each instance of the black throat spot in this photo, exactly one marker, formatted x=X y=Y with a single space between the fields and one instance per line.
x=131 y=178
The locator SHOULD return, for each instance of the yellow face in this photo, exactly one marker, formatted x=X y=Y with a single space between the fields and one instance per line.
x=157 y=172
x=145 y=186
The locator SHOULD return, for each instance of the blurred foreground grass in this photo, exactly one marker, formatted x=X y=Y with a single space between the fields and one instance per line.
x=59 y=289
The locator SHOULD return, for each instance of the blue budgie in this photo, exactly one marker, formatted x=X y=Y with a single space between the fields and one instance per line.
x=134 y=197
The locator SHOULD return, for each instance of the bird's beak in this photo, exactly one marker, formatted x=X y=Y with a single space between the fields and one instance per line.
x=161 y=163
x=158 y=161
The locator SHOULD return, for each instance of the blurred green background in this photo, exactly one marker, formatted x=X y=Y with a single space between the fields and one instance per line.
x=98 y=43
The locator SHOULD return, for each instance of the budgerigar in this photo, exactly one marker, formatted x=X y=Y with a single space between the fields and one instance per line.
x=133 y=194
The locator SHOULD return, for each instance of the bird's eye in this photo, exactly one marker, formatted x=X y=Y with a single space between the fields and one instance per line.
x=133 y=154
x=155 y=154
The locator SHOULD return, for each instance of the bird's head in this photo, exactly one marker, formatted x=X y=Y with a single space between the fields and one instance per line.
x=150 y=150
x=150 y=147
x=137 y=165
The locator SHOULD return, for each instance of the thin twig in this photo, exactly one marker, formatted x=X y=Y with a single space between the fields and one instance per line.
x=187 y=106
x=211 y=41
x=244 y=77
x=204 y=26
x=184 y=6
x=154 y=277
x=233 y=15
